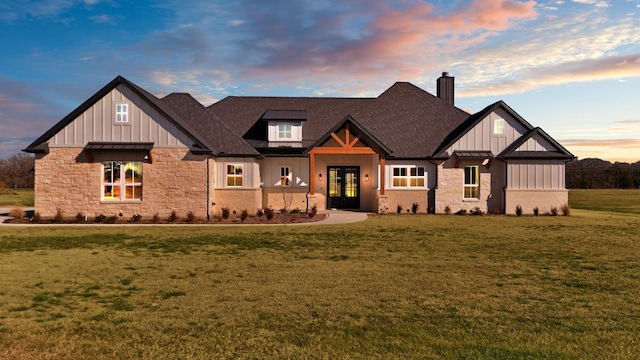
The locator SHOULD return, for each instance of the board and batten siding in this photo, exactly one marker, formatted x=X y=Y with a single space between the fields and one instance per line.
x=98 y=124
x=481 y=136
x=298 y=167
x=548 y=175
x=250 y=172
x=536 y=144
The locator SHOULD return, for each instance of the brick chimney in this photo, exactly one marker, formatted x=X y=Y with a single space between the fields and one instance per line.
x=445 y=87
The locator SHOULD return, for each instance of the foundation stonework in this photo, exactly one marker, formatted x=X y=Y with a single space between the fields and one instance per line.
x=405 y=199
x=529 y=199
x=67 y=181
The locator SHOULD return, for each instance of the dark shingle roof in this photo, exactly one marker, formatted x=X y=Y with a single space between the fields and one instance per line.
x=406 y=119
x=560 y=152
x=223 y=139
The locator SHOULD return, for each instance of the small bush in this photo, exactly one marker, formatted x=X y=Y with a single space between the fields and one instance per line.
x=447 y=210
x=16 y=212
x=284 y=211
x=59 y=215
x=268 y=212
x=173 y=217
x=191 y=216
x=313 y=211
x=112 y=219
x=155 y=218
x=79 y=217
x=101 y=218
x=536 y=211
x=136 y=218
x=566 y=210
x=259 y=213
x=244 y=215
x=415 y=207
x=399 y=209
x=553 y=211
x=461 y=212
x=225 y=213
x=477 y=211
x=518 y=210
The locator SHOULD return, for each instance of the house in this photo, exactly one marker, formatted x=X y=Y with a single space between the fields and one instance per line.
x=125 y=151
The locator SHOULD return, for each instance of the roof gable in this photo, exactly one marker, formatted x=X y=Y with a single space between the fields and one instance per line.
x=39 y=145
x=536 y=144
x=474 y=120
x=361 y=136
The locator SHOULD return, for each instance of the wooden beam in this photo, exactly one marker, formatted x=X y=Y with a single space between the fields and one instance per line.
x=333 y=135
x=343 y=151
x=355 y=141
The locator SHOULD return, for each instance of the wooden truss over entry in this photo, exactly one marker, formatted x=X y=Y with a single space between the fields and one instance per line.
x=347 y=138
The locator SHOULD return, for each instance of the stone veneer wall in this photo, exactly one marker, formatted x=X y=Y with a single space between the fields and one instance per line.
x=65 y=180
x=237 y=200
x=296 y=197
x=406 y=198
x=450 y=190
x=529 y=199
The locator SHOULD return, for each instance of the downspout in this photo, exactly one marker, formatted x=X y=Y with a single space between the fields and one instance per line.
x=435 y=187
x=208 y=186
x=504 y=188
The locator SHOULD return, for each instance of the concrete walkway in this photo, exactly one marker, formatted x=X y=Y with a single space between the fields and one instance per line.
x=333 y=217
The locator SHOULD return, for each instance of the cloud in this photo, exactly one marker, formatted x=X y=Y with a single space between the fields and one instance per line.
x=597 y=3
x=20 y=105
x=624 y=150
x=103 y=19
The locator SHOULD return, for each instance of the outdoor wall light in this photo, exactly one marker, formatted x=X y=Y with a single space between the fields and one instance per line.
x=366 y=177
x=320 y=176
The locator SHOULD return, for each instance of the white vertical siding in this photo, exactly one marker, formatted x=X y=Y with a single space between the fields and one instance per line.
x=539 y=175
x=98 y=124
x=481 y=136
x=250 y=172
x=298 y=166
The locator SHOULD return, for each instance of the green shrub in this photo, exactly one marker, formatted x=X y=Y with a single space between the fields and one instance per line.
x=101 y=218
x=566 y=210
x=225 y=213
x=553 y=211
x=244 y=215
x=79 y=217
x=399 y=209
x=259 y=213
x=136 y=218
x=173 y=217
x=461 y=212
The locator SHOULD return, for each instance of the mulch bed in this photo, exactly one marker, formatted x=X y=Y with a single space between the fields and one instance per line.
x=233 y=219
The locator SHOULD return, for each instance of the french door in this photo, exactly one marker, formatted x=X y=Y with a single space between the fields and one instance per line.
x=343 y=184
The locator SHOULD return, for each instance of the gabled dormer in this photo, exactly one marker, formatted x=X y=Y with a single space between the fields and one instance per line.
x=284 y=127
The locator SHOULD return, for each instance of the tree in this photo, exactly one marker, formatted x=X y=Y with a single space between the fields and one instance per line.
x=17 y=171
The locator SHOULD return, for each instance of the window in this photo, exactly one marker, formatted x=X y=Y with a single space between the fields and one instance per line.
x=234 y=175
x=284 y=131
x=471 y=182
x=122 y=180
x=498 y=126
x=285 y=176
x=408 y=176
x=122 y=113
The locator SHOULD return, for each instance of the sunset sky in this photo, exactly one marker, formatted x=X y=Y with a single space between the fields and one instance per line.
x=571 y=67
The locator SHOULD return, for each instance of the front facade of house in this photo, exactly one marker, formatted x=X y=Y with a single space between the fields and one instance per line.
x=125 y=151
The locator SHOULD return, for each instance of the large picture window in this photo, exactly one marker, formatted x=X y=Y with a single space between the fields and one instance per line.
x=122 y=180
x=408 y=176
x=471 y=182
x=234 y=175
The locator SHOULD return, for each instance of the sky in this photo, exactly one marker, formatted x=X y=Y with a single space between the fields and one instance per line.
x=571 y=67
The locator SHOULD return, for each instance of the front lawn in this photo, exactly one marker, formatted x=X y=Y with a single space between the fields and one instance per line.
x=410 y=286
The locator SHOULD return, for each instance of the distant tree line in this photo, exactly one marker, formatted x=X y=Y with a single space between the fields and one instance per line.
x=593 y=173
x=17 y=171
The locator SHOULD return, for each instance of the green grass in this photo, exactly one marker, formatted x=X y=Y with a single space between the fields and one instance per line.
x=409 y=286
x=16 y=197
x=616 y=200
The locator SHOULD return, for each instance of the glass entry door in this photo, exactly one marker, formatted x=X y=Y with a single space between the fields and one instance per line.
x=344 y=187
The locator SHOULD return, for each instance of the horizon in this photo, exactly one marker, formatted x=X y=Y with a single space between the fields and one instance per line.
x=579 y=87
